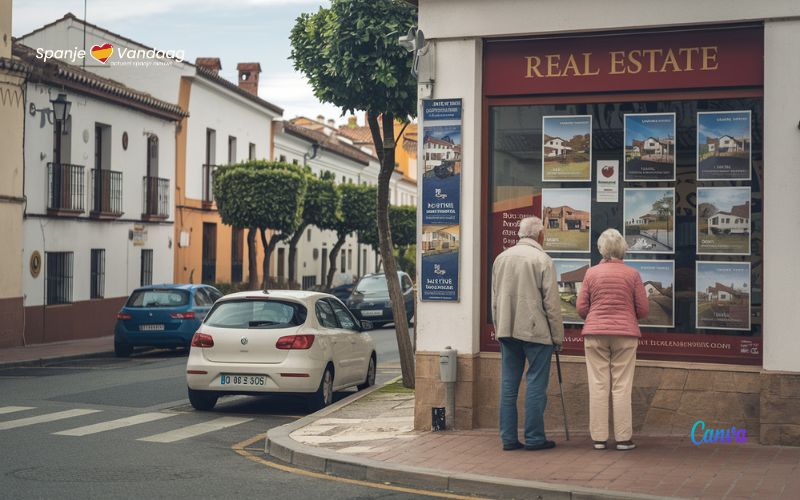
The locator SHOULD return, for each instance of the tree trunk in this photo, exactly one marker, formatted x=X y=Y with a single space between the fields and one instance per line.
x=252 y=264
x=386 y=152
x=293 y=253
x=265 y=261
x=332 y=257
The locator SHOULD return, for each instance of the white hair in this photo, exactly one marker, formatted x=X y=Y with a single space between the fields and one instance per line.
x=530 y=227
x=612 y=245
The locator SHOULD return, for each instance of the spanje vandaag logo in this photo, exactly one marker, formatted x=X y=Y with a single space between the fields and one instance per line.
x=107 y=54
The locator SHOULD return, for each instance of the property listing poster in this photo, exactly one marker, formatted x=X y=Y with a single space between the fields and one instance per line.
x=723 y=220
x=569 y=276
x=567 y=216
x=658 y=277
x=567 y=148
x=440 y=246
x=649 y=215
x=723 y=295
x=723 y=146
x=650 y=147
x=441 y=198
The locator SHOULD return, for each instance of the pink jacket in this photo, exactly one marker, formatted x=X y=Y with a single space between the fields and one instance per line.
x=611 y=299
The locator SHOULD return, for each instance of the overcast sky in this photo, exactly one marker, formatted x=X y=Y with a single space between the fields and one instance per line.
x=233 y=30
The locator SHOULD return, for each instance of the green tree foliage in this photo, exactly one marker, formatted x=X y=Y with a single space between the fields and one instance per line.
x=356 y=215
x=350 y=55
x=321 y=208
x=264 y=196
x=403 y=223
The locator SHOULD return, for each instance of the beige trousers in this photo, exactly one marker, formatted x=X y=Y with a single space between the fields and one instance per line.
x=610 y=361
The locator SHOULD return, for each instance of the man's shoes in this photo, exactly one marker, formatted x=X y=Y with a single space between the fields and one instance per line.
x=512 y=446
x=541 y=446
x=625 y=445
x=600 y=445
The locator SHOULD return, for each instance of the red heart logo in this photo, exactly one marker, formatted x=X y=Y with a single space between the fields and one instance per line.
x=102 y=52
x=608 y=171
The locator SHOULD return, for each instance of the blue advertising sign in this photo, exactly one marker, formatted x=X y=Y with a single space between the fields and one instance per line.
x=441 y=198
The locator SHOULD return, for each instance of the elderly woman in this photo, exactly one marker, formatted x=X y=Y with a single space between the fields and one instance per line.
x=611 y=300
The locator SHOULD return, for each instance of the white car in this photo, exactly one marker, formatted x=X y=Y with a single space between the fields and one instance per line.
x=279 y=341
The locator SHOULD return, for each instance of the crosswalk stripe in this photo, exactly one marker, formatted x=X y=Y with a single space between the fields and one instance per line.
x=12 y=409
x=114 y=424
x=195 y=430
x=48 y=417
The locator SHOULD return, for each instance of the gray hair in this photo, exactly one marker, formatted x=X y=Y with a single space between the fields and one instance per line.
x=530 y=227
x=612 y=245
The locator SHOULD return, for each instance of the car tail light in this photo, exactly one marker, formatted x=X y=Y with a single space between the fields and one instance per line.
x=304 y=341
x=183 y=315
x=123 y=316
x=202 y=340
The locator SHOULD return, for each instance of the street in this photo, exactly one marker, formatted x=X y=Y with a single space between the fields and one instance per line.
x=104 y=427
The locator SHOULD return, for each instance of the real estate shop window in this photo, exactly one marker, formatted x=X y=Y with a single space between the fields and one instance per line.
x=98 y=274
x=59 y=277
x=515 y=186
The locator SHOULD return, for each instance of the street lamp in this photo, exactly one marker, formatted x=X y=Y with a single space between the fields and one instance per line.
x=61 y=107
x=312 y=153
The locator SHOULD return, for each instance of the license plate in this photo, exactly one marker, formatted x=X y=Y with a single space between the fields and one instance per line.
x=242 y=380
x=371 y=312
x=151 y=328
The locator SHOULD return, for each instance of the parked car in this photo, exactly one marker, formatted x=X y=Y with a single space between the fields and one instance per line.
x=370 y=299
x=279 y=341
x=342 y=292
x=162 y=316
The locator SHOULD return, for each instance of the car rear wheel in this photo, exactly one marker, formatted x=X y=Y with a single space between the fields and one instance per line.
x=370 y=380
x=122 y=350
x=324 y=395
x=203 y=400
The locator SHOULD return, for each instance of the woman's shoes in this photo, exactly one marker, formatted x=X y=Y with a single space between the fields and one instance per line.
x=626 y=445
x=600 y=445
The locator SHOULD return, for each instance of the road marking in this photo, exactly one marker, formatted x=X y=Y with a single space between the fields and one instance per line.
x=195 y=430
x=49 y=417
x=12 y=409
x=240 y=449
x=114 y=424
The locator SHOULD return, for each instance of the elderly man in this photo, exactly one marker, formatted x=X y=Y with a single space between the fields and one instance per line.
x=526 y=310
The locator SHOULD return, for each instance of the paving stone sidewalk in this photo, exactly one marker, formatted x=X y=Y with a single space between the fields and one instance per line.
x=377 y=430
x=41 y=353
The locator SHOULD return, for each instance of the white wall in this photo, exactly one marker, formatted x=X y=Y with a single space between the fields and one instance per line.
x=53 y=234
x=781 y=203
x=479 y=18
x=458 y=75
x=211 y=106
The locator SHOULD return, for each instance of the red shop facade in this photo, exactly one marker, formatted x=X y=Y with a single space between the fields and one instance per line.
x=710 y=309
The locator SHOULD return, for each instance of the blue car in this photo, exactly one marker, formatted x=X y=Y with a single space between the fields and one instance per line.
x=370 y=299
x=162 y=316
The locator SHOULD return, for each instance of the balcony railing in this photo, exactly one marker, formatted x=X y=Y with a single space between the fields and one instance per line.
x=208 y=183
x=155 y=197
x=65 y=187
x=106 y=193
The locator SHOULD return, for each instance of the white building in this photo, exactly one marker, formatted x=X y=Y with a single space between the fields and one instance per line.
x=554 y=146
x=226 y=123
x=322 y=149
x=98 y=187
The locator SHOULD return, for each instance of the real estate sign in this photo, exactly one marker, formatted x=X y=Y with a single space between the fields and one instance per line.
x=567 y=148
x=723 y=220
x=569 y=276
x=649 y=215
x=723 y=146
x=658 y=278
x=650 y=147
x=723 y=295
x=567 y=217
x=441 y=198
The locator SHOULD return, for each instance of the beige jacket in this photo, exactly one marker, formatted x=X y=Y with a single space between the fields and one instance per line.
x=525 y=300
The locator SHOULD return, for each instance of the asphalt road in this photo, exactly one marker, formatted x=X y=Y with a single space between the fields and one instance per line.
x=162 y=451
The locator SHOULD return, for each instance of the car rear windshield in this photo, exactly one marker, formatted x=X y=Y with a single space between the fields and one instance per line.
x=372 y=284
x=158 y=298
x=256 y=314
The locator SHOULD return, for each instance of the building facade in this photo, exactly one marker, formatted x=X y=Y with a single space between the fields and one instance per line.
x=12 y=203
x=224 y=123
x=514 y=63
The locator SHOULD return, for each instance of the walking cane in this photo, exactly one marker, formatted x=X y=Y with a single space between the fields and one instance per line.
x=561 y=388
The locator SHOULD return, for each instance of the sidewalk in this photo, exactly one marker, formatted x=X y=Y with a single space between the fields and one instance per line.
x=371 y=437
x=41 y=353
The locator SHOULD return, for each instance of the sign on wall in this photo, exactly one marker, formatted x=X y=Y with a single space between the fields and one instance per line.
x=441 y=198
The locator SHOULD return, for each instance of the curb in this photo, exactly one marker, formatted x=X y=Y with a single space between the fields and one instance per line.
x=44 y=361
x=282 y=447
